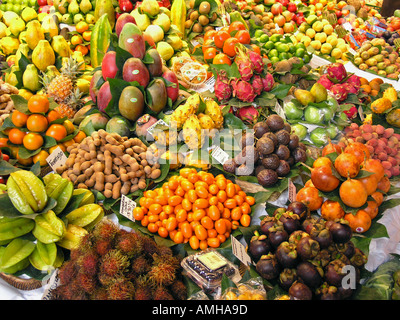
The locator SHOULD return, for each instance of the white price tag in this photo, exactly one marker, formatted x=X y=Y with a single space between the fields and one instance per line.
x=151 y=129
x=220 y=155
x=280 y=111
x=239 y=251
x=347 y=26
x=126 y=207
x=56 y=159
x=291 y=190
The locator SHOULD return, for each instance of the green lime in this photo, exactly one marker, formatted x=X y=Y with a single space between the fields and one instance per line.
x=284 y=56
x=274 y=59
x=264 y=38
x=306 y=58
x=300 y=52
x=269 y=45
x=273 y=53
x=282 y=47
x=258 y=33
x=276 y=37
x=292 y=49
x=300 y=45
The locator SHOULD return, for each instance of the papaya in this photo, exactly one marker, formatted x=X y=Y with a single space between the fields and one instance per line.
x=100 y=40
x=105 y=7
x=393 y=118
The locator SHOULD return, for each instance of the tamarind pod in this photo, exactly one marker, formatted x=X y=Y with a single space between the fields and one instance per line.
x=72 y=237
x=44 y=256
x=17 y=197
x=14 y=256
x=34 y=185
x=86 y=215
x=11 y=228
x=48 y=227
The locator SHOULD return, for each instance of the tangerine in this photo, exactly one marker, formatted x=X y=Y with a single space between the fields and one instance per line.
x=19 y=118
x=16 y=136
x=57 y=131
x=37 y=123
x=32 y=141
x=359 y=222
x=38 y=103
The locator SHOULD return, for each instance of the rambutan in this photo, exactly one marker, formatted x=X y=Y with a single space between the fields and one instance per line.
x=102 y=246
x=129 y=243
x=88 y=262
x=87 y=282
x=161 y=293
x=162 y=273
x=121 y=289
x=140 y=266
x=149 y=246
x=100 y=293
x=178 y=290
x=105 y=229
x=113 y=263
x=142 y=289
x=67 y=272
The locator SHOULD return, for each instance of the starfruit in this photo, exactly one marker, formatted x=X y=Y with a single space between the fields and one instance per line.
x=11 y=228
x=72 y=237
x=86 y=216
x=15 y=256
x=60 y=189
x=26 y=192
x=48 y=227
x=44 y=256
x=87 y=198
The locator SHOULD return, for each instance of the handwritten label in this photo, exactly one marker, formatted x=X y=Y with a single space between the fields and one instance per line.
x=56 y=159
x=361 y=113
x=292 y=190
x=151 y=129
x=220 y=155
x=239 y=250
x=126 y=207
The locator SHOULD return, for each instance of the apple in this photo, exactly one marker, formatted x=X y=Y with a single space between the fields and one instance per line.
x=292 y=7
x=276 y=9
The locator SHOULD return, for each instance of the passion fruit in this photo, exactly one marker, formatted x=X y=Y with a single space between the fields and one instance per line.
x=353 y=193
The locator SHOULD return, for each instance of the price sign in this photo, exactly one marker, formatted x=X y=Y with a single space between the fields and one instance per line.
x=292 y=191
x=239 y=251
x=126 y=207
x=56 y=159
x=220 y=155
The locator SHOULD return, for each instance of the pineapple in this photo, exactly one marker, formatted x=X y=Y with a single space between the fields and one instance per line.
x=68 y=107
x=192 y=132
x=214 y=111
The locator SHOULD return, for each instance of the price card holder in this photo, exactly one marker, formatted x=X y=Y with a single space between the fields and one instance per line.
x=220 y=155
x=292 y=191
x=56 y=159
x=239 y=251
x=126 y=207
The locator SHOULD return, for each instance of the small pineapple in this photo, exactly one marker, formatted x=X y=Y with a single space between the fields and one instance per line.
x=68 y=107
x=214 y=111
x=192 y=132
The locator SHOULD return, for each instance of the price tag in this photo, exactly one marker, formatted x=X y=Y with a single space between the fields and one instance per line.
x=151 y=129
x=280 y=111
x=239 y=251
x=361 y=113
x=347 y=26
x=220 y=155
x=56 y=159
x=126 y=207
x=292 y=191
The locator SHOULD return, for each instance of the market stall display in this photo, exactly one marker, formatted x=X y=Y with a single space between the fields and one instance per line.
x=199 y=150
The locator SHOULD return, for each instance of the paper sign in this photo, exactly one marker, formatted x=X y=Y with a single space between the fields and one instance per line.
x=292 y=191
x=279 y=110
x=56 y=159
x=126 y=207
x=220 y=155
x=151 y=129
x=239 y=251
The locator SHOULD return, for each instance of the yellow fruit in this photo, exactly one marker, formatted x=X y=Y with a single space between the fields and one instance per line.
x=326 y=48
x=320 y=36
x=343 y=47
x=318 y=26
x=306 y=40
x=336 y=53
x=316 y=44
x=333 y=40
x=328 y=29
x=299 y=36
x=310 y=33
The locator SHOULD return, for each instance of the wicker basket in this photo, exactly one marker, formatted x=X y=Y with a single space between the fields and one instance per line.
x=21 y=284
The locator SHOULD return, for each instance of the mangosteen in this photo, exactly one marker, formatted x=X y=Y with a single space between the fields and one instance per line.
x=358 y=259
x=345 y=293
x=348 y=248
x=275 y=122
x=307 y=248
x=258 y=246
x=267 y=177
x=282 y=152
x=277 y=234
x=283 y=169
x=308 y=224
x=260 y=128
x=265 y=146
x=327 y=292
x=320 y=233
x=300 y=291
x=287 y=277
x=271 y=136
x=270 y=161
x=258 y=169
x=278 y=212
x=230 y=166
x=266 y=224
x=322 y=258
x=247 y=139
x=286 y=254
x=283 y=137
x=302 y=146
x=299 y=208
x=341 y=231
x=387 y=34
x=268 y=266
x=290 y=161
x=309 y=274
x=296 y=236
x=293 y=142
x=334 y=272
x=287 y=127
x=299 y=155
x=291 y=221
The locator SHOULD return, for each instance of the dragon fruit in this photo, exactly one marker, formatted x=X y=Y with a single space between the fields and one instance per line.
x=351 y=88
x=249 y=114
x=244 y=66
x=351 y=112
x=243 y=90
x=257 y=83
x=336 y=71
x=339 y=92
x=354 y=80
x=256 y=61
x=222 y=88
x=324 y=80
x=268 y=82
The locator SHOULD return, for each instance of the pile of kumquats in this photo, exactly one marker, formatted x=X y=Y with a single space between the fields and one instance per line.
x=196 y=208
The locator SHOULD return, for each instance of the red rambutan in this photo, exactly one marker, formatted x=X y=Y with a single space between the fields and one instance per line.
x=140 y=266
x=99 y=294
x=149 y=246
x=178 y=290
x=142 y=289
x=121 y=289
x=105 y=229
x=114 y=262
x=102 y=246
x=87 y=282
x=129 y=243
x=88 y=262
x=162 y=274
x=67 y=272
x=161 y=293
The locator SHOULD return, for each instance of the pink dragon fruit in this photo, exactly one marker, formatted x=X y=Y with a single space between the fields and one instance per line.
x=351 y=88
x=354 y=80
x=336 y=71
x=351 y=112
x=257 y=84
x=248 y=114
x=256 y=61
x=243 y=90
x=324 y=80
x=222 y=88
x=339 y=92
x=244 y=66
x=268 y=82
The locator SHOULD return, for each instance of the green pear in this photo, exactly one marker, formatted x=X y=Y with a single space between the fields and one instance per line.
x=30 y=78
x=304 y=97
x=85 y=6
x=73 y=7
x=163 y=21
x=319 y=92
x=67 y=18
x=150 y=7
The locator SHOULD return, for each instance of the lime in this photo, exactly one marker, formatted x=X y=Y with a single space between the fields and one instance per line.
x=269 y=45
x=258 y=33
x=273 y=53
x=292 y=49
x=274 y=59
x=282 y=47
x=276 y=37
x=264 y=38
x=284 y=56
x=300 y=45
x=300 y=52
x=306 y=58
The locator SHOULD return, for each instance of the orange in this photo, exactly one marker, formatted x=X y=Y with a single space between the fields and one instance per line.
x=16 y=136
x=3 y=142
x=82 y=48
x=76 y=39
x=33 y=141
x=222 y=58
x=56 y=131
x=41 y=157
x=37 y=123
x=38 y=103
x=236 y=26
x=87 y=35
x=80 y=136
x=82 y=26
x=243 y=36
x=220 y=37
x=53 y=115
x=229 y=47
x=19 y=118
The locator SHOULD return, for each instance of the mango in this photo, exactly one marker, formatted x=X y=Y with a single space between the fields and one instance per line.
x=131 y=40
x=131 y=103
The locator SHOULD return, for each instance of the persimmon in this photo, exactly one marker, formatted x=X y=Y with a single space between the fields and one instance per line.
x=41 y=157
x=209 y=53
x=236 y=26
x=220 y=37
x=57 y=131
x=243 y=36
x=229 y=47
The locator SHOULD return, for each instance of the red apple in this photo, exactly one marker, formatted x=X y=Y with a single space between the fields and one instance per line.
x=276 y=9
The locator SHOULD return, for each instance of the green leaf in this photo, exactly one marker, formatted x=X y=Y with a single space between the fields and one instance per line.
x=20 y=103
x=281 y=91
